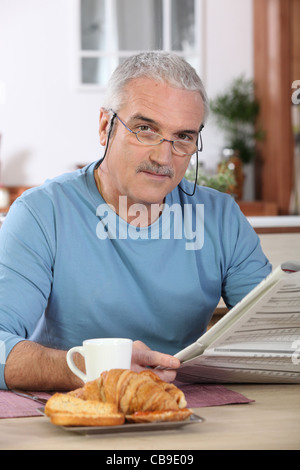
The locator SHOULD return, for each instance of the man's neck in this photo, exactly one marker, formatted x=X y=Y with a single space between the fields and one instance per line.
x=137 y=214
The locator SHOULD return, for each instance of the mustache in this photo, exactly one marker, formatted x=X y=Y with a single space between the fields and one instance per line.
x=156 y=169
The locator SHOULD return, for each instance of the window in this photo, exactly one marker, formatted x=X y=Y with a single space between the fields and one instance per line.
x=111 y=30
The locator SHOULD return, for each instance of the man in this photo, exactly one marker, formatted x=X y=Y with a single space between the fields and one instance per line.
x=125 y=247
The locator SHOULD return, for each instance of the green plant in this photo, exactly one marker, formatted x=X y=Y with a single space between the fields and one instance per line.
x=221 y=181
x=236 y=112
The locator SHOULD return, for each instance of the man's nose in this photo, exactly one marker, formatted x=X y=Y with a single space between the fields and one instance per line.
x=163 y=153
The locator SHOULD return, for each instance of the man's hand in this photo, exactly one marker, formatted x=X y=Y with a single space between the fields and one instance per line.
x=143 y=357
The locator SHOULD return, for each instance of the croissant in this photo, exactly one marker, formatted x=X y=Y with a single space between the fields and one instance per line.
x=143 y=391
x=139 y=397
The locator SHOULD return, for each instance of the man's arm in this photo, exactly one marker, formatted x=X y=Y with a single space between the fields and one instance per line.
x=31 y=366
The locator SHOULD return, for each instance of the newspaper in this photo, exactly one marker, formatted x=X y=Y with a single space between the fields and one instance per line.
x=258 y=341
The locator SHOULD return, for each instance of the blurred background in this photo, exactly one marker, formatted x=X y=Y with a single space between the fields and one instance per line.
x=56 y=57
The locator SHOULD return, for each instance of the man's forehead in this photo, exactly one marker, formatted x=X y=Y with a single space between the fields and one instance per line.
x=155 y=100
x=145 y=85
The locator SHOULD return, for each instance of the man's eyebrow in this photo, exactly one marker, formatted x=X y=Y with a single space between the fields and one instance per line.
x=140 y=117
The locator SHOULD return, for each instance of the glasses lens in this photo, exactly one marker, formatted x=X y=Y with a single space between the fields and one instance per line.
x=149 y=138
x=180 y=146
x=184 y=148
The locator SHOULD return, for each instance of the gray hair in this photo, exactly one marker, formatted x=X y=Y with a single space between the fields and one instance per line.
x=160 y=66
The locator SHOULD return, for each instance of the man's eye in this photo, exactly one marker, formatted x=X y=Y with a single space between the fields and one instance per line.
x=145 y=128
x=186 y=137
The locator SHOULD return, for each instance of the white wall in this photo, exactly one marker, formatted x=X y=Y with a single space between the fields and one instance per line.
x=47 y=126
x=228 y=54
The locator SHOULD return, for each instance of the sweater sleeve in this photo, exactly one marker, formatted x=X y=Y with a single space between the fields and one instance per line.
x=246 y=264
x=26 y=260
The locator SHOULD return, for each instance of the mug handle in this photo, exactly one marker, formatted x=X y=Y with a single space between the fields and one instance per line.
x=71 y=364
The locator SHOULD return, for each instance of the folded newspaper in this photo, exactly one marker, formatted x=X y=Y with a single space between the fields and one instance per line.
x=258 y=341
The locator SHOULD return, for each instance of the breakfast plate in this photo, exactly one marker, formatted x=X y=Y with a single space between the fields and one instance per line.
x=132 y=427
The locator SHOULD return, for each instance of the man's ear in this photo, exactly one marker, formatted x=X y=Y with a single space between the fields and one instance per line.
x=104 y=120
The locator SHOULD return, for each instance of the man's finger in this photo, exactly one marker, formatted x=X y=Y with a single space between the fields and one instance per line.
x=147 y=357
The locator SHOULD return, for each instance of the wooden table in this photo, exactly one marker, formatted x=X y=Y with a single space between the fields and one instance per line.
x=272 y=422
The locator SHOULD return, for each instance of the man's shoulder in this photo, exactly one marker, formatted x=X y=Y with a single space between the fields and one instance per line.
x=55 y=187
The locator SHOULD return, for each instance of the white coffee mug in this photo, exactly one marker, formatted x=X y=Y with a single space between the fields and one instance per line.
x=101 y=354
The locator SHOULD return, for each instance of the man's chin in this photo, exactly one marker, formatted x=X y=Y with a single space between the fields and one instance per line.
x=154 y=191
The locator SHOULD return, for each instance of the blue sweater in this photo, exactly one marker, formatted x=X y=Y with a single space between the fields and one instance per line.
x=71 y=269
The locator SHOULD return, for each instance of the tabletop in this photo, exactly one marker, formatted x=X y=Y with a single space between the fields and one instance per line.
x=271 y=421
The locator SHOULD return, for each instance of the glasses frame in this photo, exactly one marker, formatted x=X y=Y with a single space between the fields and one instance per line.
x=173 y=142
x=197 y=149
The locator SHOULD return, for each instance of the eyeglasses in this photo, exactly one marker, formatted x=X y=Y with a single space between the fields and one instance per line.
x=182 y=147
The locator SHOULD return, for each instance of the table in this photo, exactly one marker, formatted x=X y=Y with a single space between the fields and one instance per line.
x=271 y=422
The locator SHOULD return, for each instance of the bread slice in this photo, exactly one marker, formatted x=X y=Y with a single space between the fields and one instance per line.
x=159 y=416
x=81 y=419
x=65 y=403
x=67 y=410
